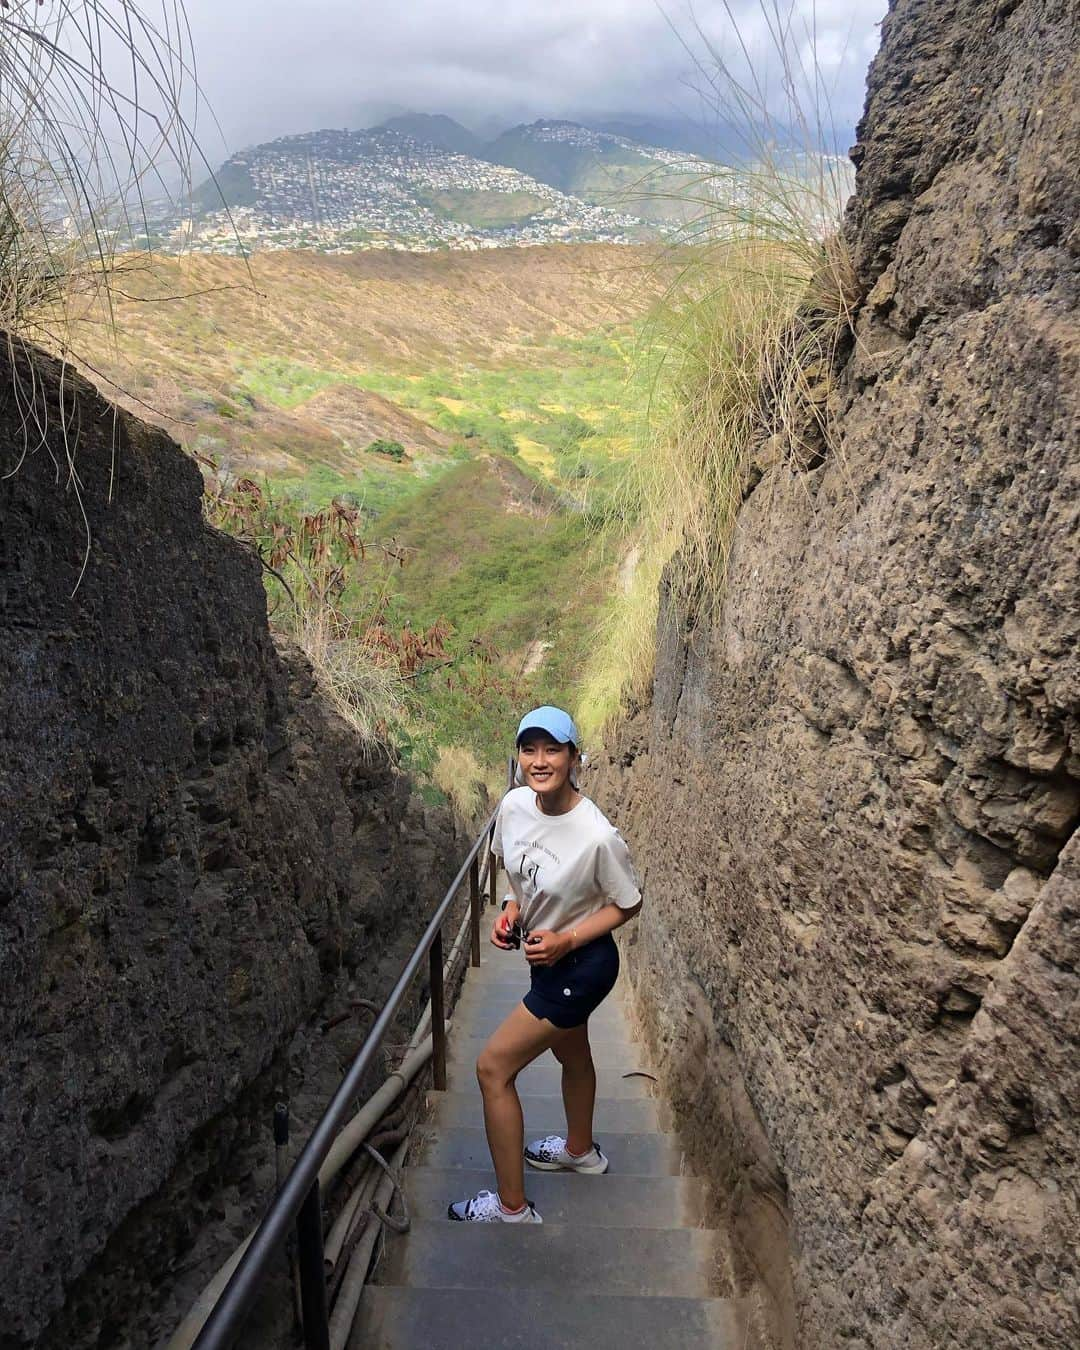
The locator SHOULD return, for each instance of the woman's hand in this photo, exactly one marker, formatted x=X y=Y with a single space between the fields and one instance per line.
x=501 y=928
x=545 y=947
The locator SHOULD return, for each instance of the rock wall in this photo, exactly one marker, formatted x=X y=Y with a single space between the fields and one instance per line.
x=193 y=854
x=856 y=792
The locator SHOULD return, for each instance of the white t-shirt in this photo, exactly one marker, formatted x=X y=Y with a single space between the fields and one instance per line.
x=562 y=868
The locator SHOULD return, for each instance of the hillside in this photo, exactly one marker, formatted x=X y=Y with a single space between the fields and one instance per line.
x=335 y=189
x=444 y=395
x=230 y=356
x=518 y=575
x=600 y=167
x=423 y=181
x=566 y=155
x=435 y=129
x=709 y=137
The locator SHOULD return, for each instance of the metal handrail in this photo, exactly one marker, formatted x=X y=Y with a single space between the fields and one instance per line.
x=298 y=1197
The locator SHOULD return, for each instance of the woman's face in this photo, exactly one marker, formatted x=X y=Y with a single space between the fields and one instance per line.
x=545 y=763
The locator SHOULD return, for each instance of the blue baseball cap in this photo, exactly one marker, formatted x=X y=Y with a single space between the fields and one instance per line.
x=559 y=725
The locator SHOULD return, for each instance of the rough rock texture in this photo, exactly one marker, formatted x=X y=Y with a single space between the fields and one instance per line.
x=193 y=853
x=856 y=792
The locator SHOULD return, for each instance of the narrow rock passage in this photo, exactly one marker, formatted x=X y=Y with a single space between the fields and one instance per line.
x=621 y=1260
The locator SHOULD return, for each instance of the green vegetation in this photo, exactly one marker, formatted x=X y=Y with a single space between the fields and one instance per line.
x=437 y=129
x=312 y=560
x=391 y=449
x=744 y=354
x=474 y=413
x=283 y=383
x=583 y=407
x=505 y=580
x=451 y=470
x=568 y=166
x=607 y=174
x=232 y=185
x=429 y=625
x=484 y=209
x=373 y=491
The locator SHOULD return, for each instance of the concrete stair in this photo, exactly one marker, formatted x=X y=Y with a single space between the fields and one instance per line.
x=621 y=1261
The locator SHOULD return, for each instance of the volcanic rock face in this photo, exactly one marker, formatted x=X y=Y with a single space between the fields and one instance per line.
x=193 y=851
x=856 y=793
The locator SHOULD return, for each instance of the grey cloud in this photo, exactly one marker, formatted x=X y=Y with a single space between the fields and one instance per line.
x=274 y=67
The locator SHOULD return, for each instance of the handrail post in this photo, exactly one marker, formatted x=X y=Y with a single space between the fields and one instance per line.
x=474 y=908
x=493 y=873
x=438 y=1014
x=309 y=1237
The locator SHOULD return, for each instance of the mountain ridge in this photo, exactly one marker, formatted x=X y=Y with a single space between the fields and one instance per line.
x=403 y=184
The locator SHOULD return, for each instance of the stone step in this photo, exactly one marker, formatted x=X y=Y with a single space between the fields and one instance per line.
x=610 y=1201
x=544 y=1112
x=546 y=1079
x=643 y=1155
x=439 y=1254
x=450 y=1319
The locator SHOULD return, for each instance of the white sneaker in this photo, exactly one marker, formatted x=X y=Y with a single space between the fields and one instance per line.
x=551 y=1155
x=486 y=1208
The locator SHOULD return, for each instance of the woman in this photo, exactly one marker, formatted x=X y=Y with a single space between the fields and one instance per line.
x=573 y=884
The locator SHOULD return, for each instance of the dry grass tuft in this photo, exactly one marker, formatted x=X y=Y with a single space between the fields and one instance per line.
x=362 y=684
x=625 y=645
x=458 y=774
x=94 y=123
x=743 y=351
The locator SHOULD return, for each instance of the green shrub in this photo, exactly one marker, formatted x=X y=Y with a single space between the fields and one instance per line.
x=391 y=449
x=499 y=438
x=564 y=432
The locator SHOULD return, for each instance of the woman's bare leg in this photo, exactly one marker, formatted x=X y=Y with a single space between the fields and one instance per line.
x=515 y=1043
x=578 y=1087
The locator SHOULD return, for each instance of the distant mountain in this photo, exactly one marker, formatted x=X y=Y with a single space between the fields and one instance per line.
x=599 y=166
x=340 y=190
x=422 y=180
x=720 y=142
x=435 y=129
x=567 y=155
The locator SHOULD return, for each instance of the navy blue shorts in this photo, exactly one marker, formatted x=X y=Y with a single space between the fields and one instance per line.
x=567 y=992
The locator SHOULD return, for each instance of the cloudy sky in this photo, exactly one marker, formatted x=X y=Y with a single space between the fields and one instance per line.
x=269 y=67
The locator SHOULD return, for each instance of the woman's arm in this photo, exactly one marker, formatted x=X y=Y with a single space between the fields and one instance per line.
x=552 y=946
x=605 y=920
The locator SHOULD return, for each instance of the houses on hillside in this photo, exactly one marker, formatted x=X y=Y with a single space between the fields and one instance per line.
x=339 y=190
